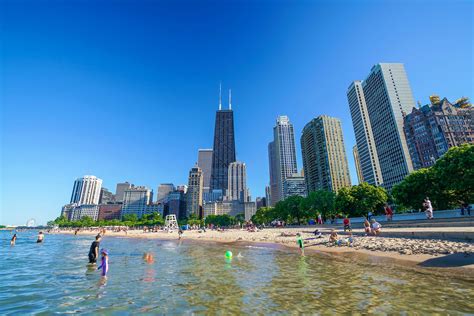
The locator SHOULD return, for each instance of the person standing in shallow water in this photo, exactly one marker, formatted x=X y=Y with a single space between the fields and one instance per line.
x=300 y=243
x=40 y=237
x=94 y=250
x=13 y=240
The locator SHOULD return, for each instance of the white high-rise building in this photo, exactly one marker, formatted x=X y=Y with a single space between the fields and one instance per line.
x=237 y=182
x=86 y=190
x=194 y=193
x=386 y=95
x=205 y=163
x=367 y=152
x=282 y=156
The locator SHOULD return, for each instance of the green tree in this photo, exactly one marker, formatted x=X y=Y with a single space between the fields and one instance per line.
x=320 y=201
x=360 y=199
x=240 y=218
x=455 y=172
x=263 y=215
x=294 y=209
x=220 y=220
x=449 y=181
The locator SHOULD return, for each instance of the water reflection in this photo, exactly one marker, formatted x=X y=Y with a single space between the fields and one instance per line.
x=151 y=276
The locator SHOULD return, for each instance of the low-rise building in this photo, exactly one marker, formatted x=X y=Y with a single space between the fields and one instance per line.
x=231 y=208
x=109 y=211
x=432 y=129
x=81 y=211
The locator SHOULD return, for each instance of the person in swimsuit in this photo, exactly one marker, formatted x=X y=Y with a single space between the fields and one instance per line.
x=104 y=265
x=40 y=237
x=300 y=243
x=94 y=250
x=333 y=238
x=13 y=240
x=367 y=227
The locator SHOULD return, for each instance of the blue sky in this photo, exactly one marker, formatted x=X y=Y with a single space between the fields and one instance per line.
x=127 y=90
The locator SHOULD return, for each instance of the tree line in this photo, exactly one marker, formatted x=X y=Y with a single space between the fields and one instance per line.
x=154 y=219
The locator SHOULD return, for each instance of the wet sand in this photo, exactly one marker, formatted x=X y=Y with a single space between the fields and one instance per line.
x=422 y=252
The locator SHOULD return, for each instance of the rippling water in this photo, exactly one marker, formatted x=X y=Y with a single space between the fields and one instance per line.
x=194 y=277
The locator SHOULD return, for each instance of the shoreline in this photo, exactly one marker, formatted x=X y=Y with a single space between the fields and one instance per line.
x=459 y=257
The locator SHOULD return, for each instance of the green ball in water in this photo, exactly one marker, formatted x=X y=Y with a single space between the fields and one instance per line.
x=228 y=254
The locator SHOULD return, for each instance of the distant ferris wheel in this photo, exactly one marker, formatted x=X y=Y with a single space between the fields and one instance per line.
x=31 y=222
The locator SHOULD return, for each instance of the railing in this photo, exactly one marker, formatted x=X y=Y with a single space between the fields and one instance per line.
x=410 y=216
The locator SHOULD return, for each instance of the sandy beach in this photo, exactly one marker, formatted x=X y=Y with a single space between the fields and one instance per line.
x=425 y=252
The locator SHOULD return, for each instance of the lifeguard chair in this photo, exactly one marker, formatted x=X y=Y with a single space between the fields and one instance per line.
x=171 y=222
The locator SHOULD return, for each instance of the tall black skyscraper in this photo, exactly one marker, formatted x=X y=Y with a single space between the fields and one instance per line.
x=224 y=147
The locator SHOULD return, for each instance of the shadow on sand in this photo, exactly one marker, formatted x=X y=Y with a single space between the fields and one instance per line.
x=453 y=260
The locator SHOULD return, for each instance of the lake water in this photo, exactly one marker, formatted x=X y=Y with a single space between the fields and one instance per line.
x=191 y=277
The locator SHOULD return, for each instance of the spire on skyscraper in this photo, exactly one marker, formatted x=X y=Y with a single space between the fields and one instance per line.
x=220 y=96
x=230 y=99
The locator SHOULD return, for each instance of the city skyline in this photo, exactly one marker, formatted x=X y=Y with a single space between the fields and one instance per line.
x=80 y=138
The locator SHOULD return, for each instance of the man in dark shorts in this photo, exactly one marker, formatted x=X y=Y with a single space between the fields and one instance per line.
x=94 y=251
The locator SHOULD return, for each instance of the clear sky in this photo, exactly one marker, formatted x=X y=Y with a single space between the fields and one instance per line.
x=127 y=90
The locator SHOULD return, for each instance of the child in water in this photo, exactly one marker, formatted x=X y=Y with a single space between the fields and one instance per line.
x=104 y=262
x=300 y=243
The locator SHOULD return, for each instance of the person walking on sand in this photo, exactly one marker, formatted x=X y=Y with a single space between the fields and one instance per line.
x=94 y=250
x=347 y=224
x=13 y=240
x=320 y=219
x=428 y=208
x=388 y=212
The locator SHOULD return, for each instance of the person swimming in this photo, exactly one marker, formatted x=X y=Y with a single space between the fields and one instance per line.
x=13 y=240
x=104 y=265
x=40 y=237
x=94 y=250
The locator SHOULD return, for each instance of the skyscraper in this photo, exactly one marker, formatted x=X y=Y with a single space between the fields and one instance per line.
x=367 y=152
x=194 y=194
x=205 y=163
x=355 y=152
x=387 y=95
x=120 y=189
x=86 y=190
x=324 y=156
x=224 y=148
x=237 y=186
x=282 y=157
x=163 y=190
x=273 y=171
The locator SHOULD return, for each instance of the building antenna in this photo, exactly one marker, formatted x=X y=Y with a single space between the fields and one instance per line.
x=230 y=99
x=220 y=96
